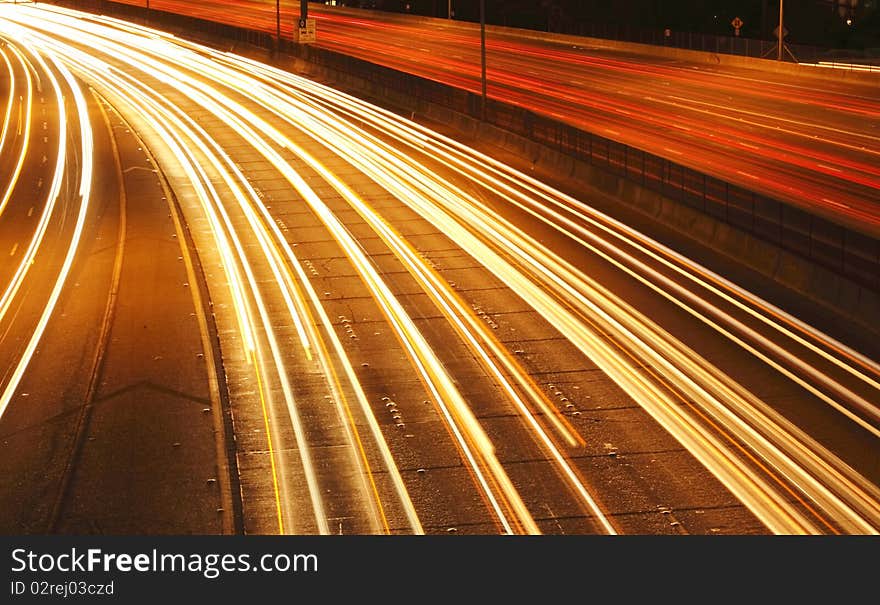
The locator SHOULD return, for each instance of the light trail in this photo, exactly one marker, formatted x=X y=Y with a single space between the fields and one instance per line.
x=387 y=39
x=786 y=478
x=359 y=145
x=24 y=124
x=866 y=407
x=593 y=88
x=542 y=203
x=473 y=441
x=183 y=133
x=465 y=321
x=171 y=123
x=7 y=118
x=50 y=66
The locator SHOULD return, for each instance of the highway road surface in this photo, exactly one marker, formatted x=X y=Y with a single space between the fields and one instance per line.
x=386 y=331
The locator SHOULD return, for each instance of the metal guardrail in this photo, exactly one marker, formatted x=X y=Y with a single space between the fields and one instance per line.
x=863 y=67
x=842 y=250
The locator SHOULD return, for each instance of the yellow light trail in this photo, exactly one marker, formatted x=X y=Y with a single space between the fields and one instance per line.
x=360 y=146
x=25 y=124
x=50 y=66
x=422 y=145
x=7 y=118
x=441 y=385
x=464 y=320
x=218 y=210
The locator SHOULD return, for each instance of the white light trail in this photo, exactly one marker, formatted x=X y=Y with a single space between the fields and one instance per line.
x=790 y=481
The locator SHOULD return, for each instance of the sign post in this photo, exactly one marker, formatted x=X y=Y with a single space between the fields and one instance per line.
x=306 y=30
x=781 y=46
x=483 y=59
x=780 y=33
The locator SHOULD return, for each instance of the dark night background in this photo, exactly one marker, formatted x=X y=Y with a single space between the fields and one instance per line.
x=813 y=22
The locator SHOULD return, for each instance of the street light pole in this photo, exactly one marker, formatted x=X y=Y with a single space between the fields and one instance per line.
x=449 y=10
x=781 y=34
x=483 y=58
x=278 y=20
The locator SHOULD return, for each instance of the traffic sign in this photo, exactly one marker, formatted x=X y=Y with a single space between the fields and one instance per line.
x=306 y=31
x=776 y=32
x=737 y=23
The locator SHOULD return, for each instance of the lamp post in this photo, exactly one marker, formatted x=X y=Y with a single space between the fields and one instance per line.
x=781 y=34
x=278 y=20
x=483 y=58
